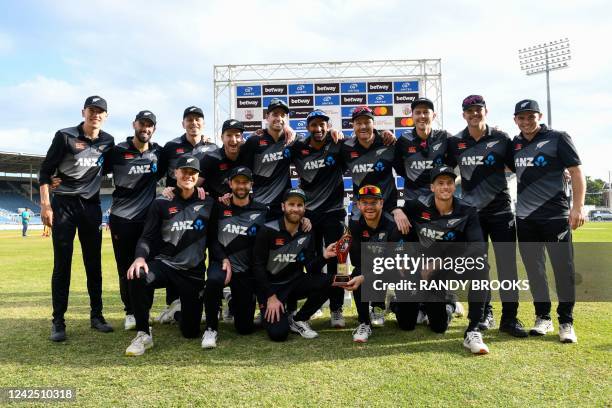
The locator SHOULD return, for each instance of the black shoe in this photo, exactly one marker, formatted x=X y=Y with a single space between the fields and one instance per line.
x=100 y=324
x=487 y=323
x=513 y=327
x=58 y=332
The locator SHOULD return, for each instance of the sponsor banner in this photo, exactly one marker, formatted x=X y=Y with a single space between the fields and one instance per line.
x=334 y=115
x=248 y=103
x=402 y=110
x=252 y=126
x=400 y=132
x=301 y=135
x=266 y=100
x=406 y=86
x=383 y=110
x=347 y=111
x=249 y=114
x=248 y=90
x=347 y=124
x=384 y=122
x=353 y=87
x=274 y=89
x=357 y=99
x=347 y=133
x=301 y=89
x=299 y=113
x=404 y=98
x=380 y=99
x=298 y=124
x=327 y=100
x=327 y=88
x=305 y=100
x=380 y=87
x=403 y=122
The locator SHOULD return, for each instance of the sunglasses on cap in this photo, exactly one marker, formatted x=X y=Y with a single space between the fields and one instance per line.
x=362 y=109
x=370 y=190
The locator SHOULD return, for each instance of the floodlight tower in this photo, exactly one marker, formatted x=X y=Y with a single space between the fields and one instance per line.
x=545 y=57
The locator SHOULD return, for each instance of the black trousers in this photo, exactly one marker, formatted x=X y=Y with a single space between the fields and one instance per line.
x=556 y=236
x=242 y=286
x=328 y=228
x=190 y=290
x=406 y=314
x=313 y=287
x=72 y=215
x=124 y=236
x=501 y=228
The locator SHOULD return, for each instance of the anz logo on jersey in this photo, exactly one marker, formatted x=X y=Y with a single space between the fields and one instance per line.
x=438 y=235
x=143 y=168
x=289 y=258
x=478 y=160
x=537 y=161
x=197 y=225
x=90 y=161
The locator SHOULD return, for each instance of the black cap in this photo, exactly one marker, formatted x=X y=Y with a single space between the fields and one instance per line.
x=241 y=171
x=317 y=113
x=441 y=171
x=473 y=100
x=526 y=105
x=193 y=110
x=146 y=115
x=294 y=192
x=369 y=191
x=96 y=101
x=188 y=161
x=362 y=111
x=421 y=100
x=278 y=103
x=232 y=124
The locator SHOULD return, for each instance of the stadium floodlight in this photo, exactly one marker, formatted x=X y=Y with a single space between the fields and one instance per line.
x=545 y=57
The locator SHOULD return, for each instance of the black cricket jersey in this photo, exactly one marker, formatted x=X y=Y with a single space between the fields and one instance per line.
x=215 y=167
x=279 y=257
x=78 y=161
x=177 y=232
x=417 y=157
x=135 y=176
x=237 y=228
x=540 y=164
x=386 y=231
x=482 y=166
x=269 y=161
x=178 y=147
x=320 y=174
x=373 y=165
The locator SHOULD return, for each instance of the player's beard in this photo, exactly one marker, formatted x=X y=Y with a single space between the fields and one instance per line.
x=143 y=137
x=241 y=193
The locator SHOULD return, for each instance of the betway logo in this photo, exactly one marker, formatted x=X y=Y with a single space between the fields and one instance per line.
x=352 y=99
x=247 y=103
x=378 y=87
x=285 y=258
x=182 y=225
x=422 y=164
x=326 y=88
x=315 y=164
x=235 y=229
x=471 y=161
x=363 y=168
x=523 y=162
x=140 y=169
x=272 y=157
x=300 y=100
x=433 y=234
x=87 y=162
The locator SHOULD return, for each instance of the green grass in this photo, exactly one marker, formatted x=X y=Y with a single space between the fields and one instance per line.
x=394 y=369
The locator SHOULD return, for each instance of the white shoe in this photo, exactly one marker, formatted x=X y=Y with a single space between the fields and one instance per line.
x=377 y=316
x=459 y=310
x=209 y=339
x=362 y=333
x=473 y=342
x=174 y=307
x=541 y=327
x=567 y=333
x=258 y=320
x=317 y=314
x=422 y=318
x=337 y=319
x=161 y=314
x=228 y=317
x=129 y=323
x=302 y=328
x=140 y=344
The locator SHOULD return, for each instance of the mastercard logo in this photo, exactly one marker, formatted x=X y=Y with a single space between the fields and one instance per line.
x=381 y=111
x=406 y=122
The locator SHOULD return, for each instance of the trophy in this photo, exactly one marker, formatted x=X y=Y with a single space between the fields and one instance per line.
x=342 y=251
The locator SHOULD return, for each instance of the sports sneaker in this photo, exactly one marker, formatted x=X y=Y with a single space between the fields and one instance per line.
x=541 y=327
x=140 y=344
x=302 y=328
x=422 y=318
x=317 y=314
x=459 y=310
x=513 y=327
x=161 y=314
x=169 y=316
x=567 y=333
x=99 y=323
x=228 y=317
x=362 y=333
x=337 y=319
x=377 y=316
x=488 y=322
x=209 y=339
x=129 y=323
x=58 y=332
x=473 y=342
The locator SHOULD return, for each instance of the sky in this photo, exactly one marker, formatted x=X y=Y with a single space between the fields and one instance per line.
x=159 y=55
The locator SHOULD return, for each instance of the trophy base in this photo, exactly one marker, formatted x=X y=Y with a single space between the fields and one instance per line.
x=341 y=280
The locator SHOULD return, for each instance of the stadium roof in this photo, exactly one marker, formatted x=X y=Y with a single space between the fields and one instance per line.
x=12 y=162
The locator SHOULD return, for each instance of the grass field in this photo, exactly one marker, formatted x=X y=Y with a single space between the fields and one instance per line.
x=394 y=369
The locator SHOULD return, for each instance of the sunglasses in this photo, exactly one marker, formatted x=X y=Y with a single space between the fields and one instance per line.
x=362 y=109
x=370 y=190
